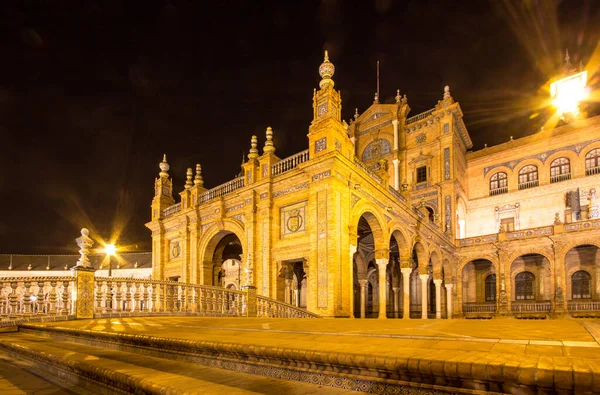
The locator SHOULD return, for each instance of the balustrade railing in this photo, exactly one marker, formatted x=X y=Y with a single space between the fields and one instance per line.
x=289 y=163
x=221 y=190
x=397 y=194
x=580 y=305
x=172 y=210
x=529 y=184
x=479 y=307
x=27 y=297
x=498 y=191
x=420 y=116
x=267 y=307
x=531 y=307
x=370 y=172
x=131 y=296
x=560 y=177
x=592 y=171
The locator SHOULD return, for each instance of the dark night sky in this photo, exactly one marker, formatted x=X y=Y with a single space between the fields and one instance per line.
x=92 y=93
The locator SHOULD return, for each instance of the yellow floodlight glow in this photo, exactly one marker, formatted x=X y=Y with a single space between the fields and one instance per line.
x=568 y=92
x=110 y=249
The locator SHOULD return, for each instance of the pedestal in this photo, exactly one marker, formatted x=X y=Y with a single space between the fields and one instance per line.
x=83 y=293
x=251 y=302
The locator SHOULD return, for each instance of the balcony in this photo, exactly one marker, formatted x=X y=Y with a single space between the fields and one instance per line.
x=592 y=171
x=498 y=191
x=479 y=310
x=529 y=184
x=537 y=310
x=560 y=177
x=580 y=308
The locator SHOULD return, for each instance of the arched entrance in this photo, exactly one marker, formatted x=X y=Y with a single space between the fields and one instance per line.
x=582 y=280
x=294 y=275
x=479 y=287
x=531 y=286
x=222 y=259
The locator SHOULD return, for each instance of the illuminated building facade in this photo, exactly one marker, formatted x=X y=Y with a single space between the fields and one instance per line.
x=392 y=216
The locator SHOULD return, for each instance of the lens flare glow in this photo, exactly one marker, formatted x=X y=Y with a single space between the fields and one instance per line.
x=110 y=249
x=568 y=92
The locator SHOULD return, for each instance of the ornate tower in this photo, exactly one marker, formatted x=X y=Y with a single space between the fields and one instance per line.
x=163 y=190
x=327 y=132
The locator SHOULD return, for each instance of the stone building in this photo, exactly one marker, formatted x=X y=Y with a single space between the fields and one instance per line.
x=392 y=216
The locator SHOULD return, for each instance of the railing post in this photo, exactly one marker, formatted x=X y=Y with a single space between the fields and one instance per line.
x=251 y=302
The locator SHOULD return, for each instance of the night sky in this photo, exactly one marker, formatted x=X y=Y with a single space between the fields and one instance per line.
x=92 y=93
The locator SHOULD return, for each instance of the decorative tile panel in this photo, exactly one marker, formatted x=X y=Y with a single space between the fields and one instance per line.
x=421 y=138
x=322 y=249
x=375 y=127
x=321 y=144
x=174 y=249
x=375 y=149
x=446 y=128
x=295 y=188
x=321 y=175
x=448 y=209
x=293 y=219
x=446 y=163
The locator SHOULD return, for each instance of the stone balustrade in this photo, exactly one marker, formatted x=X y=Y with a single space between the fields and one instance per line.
x=420 y=116
x=26 y=297
x=369 y=172
x=172 y=210
x=479 y=307
x=267 y=307
x=289 y=163
x=531 y=307
x=221 y=190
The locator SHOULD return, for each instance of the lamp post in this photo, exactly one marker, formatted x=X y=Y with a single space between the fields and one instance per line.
x=110 y=250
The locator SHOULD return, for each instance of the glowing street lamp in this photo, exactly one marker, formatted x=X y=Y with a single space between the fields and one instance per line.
x=110 y=250
x=568 y=92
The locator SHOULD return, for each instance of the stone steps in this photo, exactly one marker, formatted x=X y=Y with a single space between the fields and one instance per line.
x=99 y=369
x=346 y=371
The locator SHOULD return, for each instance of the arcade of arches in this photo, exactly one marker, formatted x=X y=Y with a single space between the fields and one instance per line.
x=391 y=216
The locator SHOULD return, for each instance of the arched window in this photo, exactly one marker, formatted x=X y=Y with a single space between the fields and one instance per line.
x=592 y=162
x=498 y=184
x=528 y=177
x=490 y=288
x=560 y=170
x=581 y=285
x=524 y=286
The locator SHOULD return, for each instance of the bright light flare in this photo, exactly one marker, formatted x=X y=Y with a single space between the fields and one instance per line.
x=568 y=92
x=110 y=249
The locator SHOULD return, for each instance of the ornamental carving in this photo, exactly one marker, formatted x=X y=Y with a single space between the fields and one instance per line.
x=376 y=149
x=293 y=219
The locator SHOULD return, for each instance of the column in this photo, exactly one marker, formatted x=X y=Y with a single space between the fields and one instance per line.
x=352 y=252
x=449 y=300
x=438 y=298
x=288 y=293
x=382 y=265
x=406 y=271
x=396 y=301
x=363 y=297
x=395 y=125
x=424 y=278
x=396 y=174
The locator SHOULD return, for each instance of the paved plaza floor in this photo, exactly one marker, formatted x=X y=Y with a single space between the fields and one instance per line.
x=555 y=338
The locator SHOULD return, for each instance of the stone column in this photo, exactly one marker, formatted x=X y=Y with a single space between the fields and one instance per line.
x=83 y=292
x=406 y=271
x=395 y=125
x=363 y=297
x=449 y=300
x=438 y=298
x=396 y=174
x=382 y=264
x=424 y=278
x=288 y=290
x=396 y=301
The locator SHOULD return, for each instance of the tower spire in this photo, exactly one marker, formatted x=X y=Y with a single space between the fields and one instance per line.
x=269 y=147
x=326 y=71
x=253 y=151
x=189 y=174
x=198 y=179
x=164 y=167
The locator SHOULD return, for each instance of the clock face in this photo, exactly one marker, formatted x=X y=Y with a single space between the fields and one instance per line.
x=322 y=109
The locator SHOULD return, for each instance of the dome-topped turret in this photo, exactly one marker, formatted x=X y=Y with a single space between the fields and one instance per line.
x=326 y=71
x=164 y=167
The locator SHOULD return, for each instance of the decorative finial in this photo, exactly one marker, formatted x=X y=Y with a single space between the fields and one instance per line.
x=29 y=267
x=356 y=113
x=376 y=99
x=404 y=99
x=485 y=145
x=398 y=97
x=84 y=243
x=269 y=147
x=164 y=167
x=344 y=124
x=189 y=174
x=447 y=92
x=253 y=151
x=511 y=138
x=66 y=267
x=326 y=71
x=135 y=265
x=198 y=179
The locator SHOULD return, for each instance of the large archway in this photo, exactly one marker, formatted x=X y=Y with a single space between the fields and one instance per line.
x=479 y=287
x=531 y=285
x=366 y=276
x=582 y=280
x=222 y=260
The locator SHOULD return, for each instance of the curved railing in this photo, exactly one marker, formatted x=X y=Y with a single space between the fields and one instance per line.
x=30 y=298
x=267 y=307
x=139 y=296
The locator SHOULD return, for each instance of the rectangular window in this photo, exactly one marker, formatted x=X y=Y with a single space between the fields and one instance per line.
x=508 y=224
x=421 y=174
